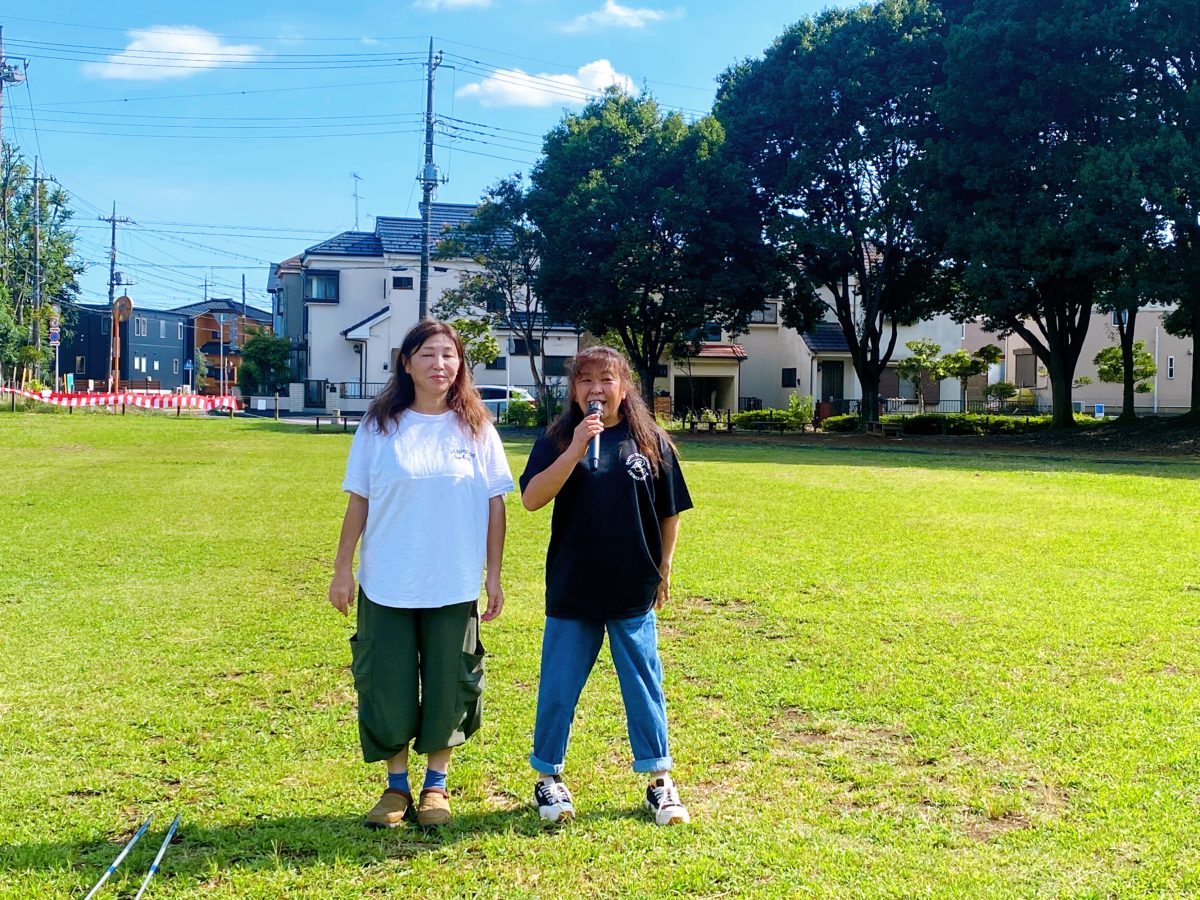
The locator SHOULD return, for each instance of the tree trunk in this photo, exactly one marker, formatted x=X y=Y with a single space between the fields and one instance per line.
x=646 y=375
x=1128 y=416
x=1062 y=415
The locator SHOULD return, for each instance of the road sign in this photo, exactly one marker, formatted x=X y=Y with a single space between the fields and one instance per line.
x=54 y=335
x=187 y=365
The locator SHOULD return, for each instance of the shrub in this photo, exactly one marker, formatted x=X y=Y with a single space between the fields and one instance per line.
x=521 y=414
x=969 y=424
x=845 y=422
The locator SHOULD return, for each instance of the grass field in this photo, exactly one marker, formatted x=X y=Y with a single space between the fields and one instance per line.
x=891 y=673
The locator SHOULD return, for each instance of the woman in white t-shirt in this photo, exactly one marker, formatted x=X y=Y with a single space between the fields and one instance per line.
x=426 y=480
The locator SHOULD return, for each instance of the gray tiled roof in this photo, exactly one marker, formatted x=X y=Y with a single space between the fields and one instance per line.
x=395 y=235
x=222 y=305
x=826 y=338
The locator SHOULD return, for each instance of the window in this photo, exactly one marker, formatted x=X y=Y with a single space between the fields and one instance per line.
x=216 y=335
x=156 y=363
x=556 y=365
x=181 y=331
x=789 y=378
x=174 y=367
x=1119 y=317
x=496 y=305
x=499 y=364
x=81 y=365
x=521 y=348
x=162 y=329
x=768 y=315
x=1026 y=368
x=139 y=326
x=402 y=283
x=106 y=325
x=321 y=287
x=711 y=332
x=660 y=371
x=1170 y=367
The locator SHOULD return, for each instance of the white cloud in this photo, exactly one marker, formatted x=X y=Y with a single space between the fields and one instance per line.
x=512 y=87
x=170 y=51
x=371 y=42
x=614 y=15
x=436 y=5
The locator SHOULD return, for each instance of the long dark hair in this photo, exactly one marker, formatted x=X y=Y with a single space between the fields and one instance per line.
x=463 y=398
x=642 y=427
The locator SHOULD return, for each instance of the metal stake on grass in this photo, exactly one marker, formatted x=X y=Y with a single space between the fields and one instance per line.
x=120 y=856
x=158 y=858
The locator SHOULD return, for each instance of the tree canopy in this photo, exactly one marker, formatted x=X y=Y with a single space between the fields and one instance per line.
x=649 y=230
x=829 y=122
x=1032 y=187
x=56 y=262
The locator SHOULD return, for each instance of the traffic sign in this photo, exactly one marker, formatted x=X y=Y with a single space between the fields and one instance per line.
x=188 y=365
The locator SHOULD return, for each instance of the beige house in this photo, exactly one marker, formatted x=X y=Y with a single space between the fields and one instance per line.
x=1170 y=392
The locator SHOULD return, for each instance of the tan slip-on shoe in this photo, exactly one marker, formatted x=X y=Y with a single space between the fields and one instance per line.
x=433 y=808
x=392 y=809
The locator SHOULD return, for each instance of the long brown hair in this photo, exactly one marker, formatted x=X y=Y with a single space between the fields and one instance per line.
x=643 y=428
x=400 y=393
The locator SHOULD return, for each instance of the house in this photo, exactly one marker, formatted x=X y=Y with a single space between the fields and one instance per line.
x=347 y=302
x=1170 y=390
x=152 y=349
x=771 y=361
x=218 y=328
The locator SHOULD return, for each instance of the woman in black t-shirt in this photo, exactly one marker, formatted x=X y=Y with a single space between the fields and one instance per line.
x=608 y=568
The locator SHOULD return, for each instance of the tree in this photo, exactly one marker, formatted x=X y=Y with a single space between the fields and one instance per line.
x=648 y=229
x=506 y=246
x=478 y=343
x=266 y=362
x=56 y=262
x=1032 y=187
x=829 y=122
x=921 y=365
x=964 y=366
x=1113 y=368
x=1167 y=70
x=200 y=369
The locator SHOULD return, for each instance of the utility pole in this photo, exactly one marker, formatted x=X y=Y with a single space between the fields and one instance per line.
x=37 y=271
x=429 y=181
x=357 y=178
x=114 y=374
x=9 y=74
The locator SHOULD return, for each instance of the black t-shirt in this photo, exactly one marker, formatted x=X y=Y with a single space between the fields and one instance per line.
x=605 y=542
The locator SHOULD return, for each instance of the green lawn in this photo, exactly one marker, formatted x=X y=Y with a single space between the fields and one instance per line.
x=891 y=673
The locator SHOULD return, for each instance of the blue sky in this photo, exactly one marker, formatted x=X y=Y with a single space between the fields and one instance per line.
x=230 y=135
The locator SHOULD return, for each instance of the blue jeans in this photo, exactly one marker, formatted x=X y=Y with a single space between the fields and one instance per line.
x=569 y=650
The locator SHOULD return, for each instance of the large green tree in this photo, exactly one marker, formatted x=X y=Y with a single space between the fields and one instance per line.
x=19 y=306
x=1167 y=70
x=1033 y=187
x=266 y=363
x=648 y=230
x=829 y=122
x=505 y=246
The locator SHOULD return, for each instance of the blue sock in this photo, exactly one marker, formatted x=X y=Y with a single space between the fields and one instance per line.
x=434 y=779
x=398 y=781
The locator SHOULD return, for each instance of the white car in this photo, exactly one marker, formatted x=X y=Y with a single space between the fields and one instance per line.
x=496 y=397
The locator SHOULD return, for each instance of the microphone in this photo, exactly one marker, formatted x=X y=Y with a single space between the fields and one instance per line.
x=594 y=408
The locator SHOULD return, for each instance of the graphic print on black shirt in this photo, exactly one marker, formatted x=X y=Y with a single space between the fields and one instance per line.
x=605 y=542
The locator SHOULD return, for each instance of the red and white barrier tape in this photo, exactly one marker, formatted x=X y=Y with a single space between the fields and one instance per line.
x=144 y=401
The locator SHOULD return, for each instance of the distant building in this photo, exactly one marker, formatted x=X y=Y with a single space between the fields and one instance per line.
x=218 y=328
x=152 y=349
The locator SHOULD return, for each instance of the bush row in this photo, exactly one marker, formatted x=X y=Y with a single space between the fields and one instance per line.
x=948 y=423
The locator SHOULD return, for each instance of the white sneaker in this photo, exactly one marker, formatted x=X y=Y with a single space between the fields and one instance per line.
x=553 y=799
x=662 y=799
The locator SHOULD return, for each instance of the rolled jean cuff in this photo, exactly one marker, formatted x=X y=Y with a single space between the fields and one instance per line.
x=545 y=768
x=662 y=764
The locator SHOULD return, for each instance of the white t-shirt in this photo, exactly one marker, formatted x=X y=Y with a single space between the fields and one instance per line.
x=427 y=481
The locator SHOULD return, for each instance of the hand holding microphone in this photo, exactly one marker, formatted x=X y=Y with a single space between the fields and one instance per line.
x=595 y=408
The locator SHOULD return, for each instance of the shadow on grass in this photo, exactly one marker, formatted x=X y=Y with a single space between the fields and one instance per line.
x=964 y=453
x=269 y=843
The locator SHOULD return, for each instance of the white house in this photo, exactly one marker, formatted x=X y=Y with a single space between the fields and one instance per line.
x=346 y=304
